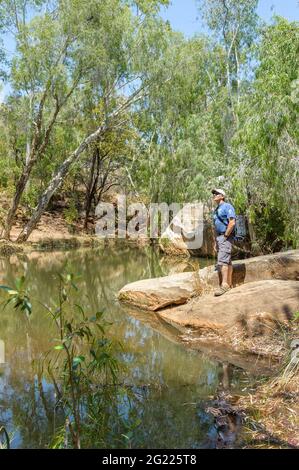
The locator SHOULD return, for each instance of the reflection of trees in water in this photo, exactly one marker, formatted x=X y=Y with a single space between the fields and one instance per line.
x=25 y=411
x=103 y=270
x=164 y=374
x=22 y=407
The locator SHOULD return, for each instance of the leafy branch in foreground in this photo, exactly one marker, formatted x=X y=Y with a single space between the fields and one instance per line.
x=18 y=297
x=82 y=367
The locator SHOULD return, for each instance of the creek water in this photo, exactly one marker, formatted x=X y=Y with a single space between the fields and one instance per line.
x=171 y=384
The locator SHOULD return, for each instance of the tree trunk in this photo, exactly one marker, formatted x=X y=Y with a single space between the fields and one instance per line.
x=20 y=187
x=58 y=178
x=92 y=184
x=55 y=183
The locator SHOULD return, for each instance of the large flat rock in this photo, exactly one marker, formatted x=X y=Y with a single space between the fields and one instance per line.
x=248 y=306
x=155 y=294
x=283 y=265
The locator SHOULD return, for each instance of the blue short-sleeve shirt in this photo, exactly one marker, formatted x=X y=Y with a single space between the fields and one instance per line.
x=225 y=211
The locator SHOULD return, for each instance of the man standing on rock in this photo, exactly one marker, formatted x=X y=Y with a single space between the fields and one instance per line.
x=224 y=222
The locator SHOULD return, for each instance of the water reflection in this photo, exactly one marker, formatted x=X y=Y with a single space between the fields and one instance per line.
x=168 y=381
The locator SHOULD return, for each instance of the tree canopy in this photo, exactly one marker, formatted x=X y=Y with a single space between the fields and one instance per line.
x=104 y=94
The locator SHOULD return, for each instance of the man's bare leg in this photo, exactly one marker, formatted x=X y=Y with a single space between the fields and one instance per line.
x=225 y=275
x=220 y=275
x=230 y=275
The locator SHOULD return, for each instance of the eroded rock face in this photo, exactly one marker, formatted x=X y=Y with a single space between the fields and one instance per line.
x=174 y=243
x=266 y=295
x=284 y=266
x=155 y=294
x=244 y=306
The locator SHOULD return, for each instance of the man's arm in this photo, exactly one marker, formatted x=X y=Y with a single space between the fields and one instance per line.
x=230 y=227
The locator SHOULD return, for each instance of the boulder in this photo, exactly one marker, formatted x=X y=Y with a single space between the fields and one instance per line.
x=154 y=294
x=191 y=220
x=283 y=265
x=172 y=243
x=255 y=307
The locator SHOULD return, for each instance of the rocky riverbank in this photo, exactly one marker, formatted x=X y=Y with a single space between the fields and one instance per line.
x=264 y=300
x=254 y=326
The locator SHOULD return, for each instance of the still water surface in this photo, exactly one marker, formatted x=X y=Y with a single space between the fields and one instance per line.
x=178 y=382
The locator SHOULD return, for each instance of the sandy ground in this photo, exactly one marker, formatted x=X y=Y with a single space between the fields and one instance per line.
x=51 y=226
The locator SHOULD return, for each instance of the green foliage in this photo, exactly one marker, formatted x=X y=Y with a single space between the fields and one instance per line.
x=83 y=368
x=214 y=110
x=71 y=213
x=231 y=17
x=18 y=297
x=267 y=142
x=179 y=143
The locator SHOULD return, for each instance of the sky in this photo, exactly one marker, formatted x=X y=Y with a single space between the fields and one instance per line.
x=183 y=16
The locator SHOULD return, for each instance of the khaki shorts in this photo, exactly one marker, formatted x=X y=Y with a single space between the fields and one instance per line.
x=224 y=250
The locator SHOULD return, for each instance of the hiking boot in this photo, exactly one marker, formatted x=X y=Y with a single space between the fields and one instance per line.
x=222 y=290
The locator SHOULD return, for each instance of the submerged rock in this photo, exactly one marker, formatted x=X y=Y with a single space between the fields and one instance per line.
x=228 y=422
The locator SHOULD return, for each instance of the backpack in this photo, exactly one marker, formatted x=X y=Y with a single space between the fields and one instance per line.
x=239 y=232
x=240 y=228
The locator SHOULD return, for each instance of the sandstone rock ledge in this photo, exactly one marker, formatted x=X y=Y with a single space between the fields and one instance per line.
x=255 y=307
x=242 y=326
x=155 y=294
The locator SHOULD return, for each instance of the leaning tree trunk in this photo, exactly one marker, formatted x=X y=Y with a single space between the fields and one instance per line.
x=58 y=178
x=55 y=183
x=20 y=187
x=33 y=152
